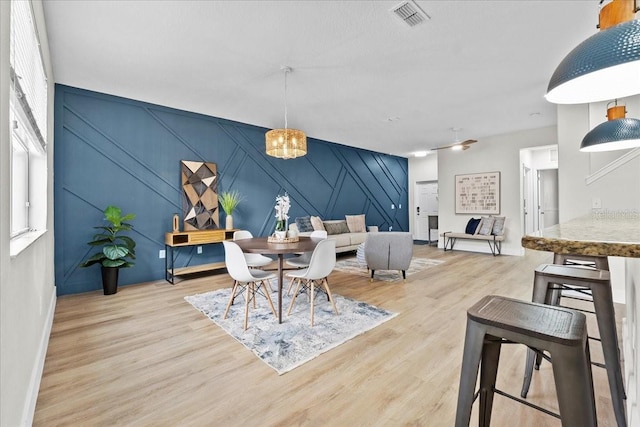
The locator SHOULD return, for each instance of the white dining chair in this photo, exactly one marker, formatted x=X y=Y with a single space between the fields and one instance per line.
x=249 y=281
x=253 y=260
x=313 y=279
x=302 y=260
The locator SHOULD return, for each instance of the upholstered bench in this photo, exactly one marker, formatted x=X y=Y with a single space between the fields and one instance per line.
x=490 y=229
x=495 y=242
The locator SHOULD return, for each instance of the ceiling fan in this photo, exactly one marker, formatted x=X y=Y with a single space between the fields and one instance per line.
x=457 y=145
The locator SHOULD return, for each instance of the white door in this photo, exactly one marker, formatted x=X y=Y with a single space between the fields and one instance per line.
x=426 y=206
x=548 y=197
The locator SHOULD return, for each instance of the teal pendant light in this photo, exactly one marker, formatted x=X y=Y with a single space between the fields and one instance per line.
x=605 y=66
x=617 y=133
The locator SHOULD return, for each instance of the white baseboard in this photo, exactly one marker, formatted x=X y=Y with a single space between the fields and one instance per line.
x=38 y=367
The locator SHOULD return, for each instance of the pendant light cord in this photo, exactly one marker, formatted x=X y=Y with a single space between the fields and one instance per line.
x=286 y=71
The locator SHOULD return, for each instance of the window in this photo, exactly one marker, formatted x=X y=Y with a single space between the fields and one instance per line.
x=28 y=124
x=19 y=187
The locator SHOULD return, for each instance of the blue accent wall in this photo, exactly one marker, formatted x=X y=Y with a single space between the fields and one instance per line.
x=116 y=151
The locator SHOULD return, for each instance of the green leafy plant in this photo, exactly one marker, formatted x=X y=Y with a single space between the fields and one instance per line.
x=116 y=248
x=229 y=201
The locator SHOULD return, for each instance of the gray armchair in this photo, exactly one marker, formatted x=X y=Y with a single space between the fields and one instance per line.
x=388 y=251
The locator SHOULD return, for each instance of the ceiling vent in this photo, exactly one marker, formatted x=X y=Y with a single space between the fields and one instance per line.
x=410 y=13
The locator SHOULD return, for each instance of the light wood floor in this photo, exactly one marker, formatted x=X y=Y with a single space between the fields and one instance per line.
x=145 y=357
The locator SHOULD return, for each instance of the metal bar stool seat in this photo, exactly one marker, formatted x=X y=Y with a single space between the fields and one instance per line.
x=495 y=320
x=549 y=280
x=594 y=261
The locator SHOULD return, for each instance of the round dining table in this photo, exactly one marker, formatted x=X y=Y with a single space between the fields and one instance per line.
x=261 y=245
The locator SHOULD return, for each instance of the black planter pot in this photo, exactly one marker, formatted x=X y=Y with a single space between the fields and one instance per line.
x=110 y=280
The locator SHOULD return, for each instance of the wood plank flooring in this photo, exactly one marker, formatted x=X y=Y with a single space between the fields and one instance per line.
x=145 y=357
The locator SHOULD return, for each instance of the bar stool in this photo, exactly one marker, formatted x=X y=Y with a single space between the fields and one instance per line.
x=495 y=320
x=549 y=280
x=594 y=261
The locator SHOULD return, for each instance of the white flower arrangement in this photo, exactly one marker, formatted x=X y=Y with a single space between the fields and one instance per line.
x=282 y=211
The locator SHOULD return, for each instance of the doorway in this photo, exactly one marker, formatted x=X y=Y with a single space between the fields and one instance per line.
x=528 y=200
x=426 y=214
x=548 y=212
x=539 y=207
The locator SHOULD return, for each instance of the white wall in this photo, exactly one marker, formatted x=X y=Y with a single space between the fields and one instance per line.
x=544 y=158
x=497 y=153
x=420 y=169
x=617 y=191
x=27 y=291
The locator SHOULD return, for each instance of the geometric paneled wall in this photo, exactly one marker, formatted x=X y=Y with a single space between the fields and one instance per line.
x=116 y=151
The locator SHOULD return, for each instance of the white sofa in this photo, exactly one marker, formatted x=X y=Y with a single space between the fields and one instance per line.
x=345 y=242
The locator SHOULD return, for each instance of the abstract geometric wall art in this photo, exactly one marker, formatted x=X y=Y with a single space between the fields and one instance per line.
x=199 y=195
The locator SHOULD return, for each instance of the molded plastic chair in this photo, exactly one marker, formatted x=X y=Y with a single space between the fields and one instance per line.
x=303 y=260
x=249 y=281
x=313 y=279
x=253 y=260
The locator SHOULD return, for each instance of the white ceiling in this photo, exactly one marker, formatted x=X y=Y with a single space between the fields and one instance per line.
x=361 y=76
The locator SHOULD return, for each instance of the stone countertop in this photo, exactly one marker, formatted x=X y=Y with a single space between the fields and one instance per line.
x=595 y=235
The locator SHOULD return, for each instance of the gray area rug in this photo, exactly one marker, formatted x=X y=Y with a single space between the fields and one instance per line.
x=353 y=266
x=294 y=342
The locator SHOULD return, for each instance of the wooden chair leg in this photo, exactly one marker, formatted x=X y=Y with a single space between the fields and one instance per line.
x=326 y=287
x=307 y=286
x=313 y=298
x=253 y=294
x=231 y=298
x=246 y=306
x=295 y=295
x=290 y=285
x=267 y=294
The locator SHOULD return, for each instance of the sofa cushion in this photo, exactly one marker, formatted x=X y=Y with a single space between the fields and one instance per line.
x=342 y=240
x=357 y=238
x=356 y=223
x=304 y=224
x=316 y=222
x=336 y=227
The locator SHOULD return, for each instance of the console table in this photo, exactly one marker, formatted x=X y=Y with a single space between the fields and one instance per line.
x=180 y=239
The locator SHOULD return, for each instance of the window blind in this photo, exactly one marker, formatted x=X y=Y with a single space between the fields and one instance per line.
x=27 y=68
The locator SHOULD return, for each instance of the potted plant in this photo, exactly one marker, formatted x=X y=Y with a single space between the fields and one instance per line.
x=117 y=249
x=229 y=201
x=282 y=215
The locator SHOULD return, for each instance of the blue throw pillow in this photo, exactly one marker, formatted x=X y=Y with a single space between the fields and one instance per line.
x=472 y=225
x=304 y=224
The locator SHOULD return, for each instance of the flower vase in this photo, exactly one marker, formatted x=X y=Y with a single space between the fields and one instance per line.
x=281 y=235
x=228 y=222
